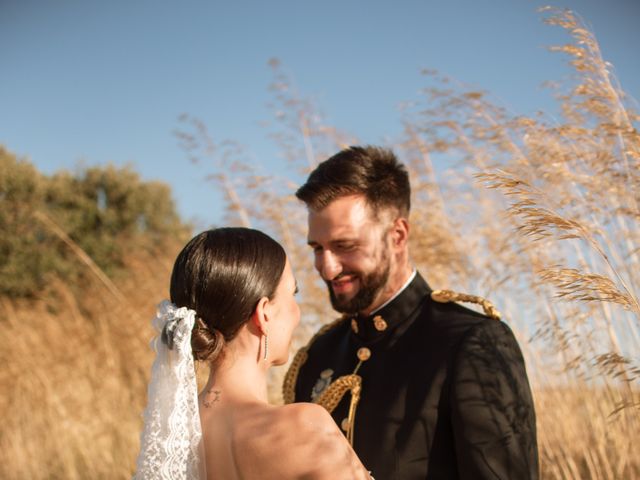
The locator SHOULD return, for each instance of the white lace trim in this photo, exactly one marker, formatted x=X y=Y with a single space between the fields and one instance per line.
x=170 y=443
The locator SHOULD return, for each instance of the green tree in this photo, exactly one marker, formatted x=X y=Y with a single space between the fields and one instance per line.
x=103 y=212
x=25 y=253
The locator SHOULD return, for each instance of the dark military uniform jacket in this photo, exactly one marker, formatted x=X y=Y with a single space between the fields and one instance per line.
x=444 y=393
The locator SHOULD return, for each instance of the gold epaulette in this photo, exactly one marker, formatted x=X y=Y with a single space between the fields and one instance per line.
x=445 y=296
x=289 y=383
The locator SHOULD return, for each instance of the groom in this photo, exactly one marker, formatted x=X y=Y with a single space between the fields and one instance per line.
x=423 y=387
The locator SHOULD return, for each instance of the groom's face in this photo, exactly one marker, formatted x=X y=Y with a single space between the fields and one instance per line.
x=352 y=253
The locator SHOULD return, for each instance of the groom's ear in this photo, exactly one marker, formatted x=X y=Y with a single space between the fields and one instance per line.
x=260 y=316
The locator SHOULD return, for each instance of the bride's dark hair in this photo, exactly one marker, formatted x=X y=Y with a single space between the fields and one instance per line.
x=222 y=274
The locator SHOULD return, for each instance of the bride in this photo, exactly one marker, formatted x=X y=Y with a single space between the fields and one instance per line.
x=233 y=307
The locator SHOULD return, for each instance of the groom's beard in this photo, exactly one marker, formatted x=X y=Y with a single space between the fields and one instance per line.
x=370 y=285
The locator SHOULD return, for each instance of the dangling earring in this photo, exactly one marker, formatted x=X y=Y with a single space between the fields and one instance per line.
x=265 y=346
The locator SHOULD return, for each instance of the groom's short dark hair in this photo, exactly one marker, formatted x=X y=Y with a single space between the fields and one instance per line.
x=374 y=172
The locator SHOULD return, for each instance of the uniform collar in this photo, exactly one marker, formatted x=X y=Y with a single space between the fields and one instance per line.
x=391 y=314
x=395 y=295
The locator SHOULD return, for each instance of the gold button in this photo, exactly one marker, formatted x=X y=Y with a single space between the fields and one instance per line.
x=379 y=323
x=345 y=424
x=354 y=325
x=364 y=354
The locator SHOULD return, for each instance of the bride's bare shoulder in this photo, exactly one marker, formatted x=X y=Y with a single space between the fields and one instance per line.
x=308 y=444
x=306 y=416
x=304 y=430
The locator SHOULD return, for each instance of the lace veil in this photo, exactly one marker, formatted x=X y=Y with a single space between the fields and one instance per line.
x=171 y=440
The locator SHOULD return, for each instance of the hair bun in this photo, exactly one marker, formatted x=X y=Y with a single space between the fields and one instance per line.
x=206 y=343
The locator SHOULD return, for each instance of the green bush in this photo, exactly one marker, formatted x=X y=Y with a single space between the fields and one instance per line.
x=106 y=212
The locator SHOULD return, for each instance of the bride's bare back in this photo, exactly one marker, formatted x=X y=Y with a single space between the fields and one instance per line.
x=260 y=441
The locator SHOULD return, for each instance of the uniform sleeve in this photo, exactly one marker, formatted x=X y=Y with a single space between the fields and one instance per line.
x=493 y=417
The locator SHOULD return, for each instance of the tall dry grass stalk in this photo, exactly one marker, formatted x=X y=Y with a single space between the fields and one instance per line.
x=540 y=216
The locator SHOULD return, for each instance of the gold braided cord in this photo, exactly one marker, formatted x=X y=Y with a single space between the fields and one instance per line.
x=289 y=383
x=445 y=296
x=290 y=378
x=332 y=395
x=351 y=418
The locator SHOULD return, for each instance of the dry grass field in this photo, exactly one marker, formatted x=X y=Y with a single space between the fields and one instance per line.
x=540 y=216
x=74 y=377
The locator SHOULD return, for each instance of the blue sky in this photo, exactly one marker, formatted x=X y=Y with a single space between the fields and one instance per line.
x=105 y=81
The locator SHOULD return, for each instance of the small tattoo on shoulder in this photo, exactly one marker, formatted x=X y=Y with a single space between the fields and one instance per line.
x=212 y=396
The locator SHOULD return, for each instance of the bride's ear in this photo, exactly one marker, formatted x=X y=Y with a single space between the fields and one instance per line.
x=260 y=316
